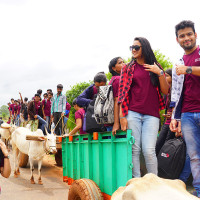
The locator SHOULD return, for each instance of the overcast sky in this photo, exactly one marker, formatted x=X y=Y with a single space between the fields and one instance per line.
x=46 y=42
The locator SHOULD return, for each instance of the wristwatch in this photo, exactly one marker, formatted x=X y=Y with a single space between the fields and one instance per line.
x=161 y=73
x=7 y=156
x=189 y=70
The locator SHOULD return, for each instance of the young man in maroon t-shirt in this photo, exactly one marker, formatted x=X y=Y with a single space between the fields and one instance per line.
x=189 y=110
x=46 y=106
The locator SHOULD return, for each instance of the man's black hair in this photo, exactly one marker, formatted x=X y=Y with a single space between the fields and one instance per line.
x=149 y=58
x=15 y=101
x=100 y=77
x=50 y=90
x=74 y=102
x=25 y=99
x=1 y=118
x=45 y=94
x=60 y=86
x=39 y=91
x=112 y=64
x=51 y=93
x=184 y=24
x=12 y=99
x=37 y=95
x=169 y=71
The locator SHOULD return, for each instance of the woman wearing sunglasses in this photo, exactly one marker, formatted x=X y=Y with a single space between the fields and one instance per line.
x=141 y=83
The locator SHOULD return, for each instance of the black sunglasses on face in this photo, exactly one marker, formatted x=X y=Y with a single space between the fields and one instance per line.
x=136 y=47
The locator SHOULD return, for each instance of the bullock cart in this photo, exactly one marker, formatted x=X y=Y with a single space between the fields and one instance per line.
x=97 y=164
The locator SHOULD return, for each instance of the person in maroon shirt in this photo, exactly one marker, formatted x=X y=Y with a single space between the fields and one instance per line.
x=35 y=112
x=16 y=112
x=11 y=109
x=115 y=67
x=46 y=106
x=79 y=115
x=141 y=84
x=189 y=126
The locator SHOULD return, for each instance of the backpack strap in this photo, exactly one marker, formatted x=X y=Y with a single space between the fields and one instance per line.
x=112 y=80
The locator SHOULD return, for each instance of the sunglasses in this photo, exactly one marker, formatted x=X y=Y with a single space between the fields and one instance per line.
x=136 y=47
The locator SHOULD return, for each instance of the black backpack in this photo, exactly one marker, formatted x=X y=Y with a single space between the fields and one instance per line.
x=171 y=158
x=91 y=124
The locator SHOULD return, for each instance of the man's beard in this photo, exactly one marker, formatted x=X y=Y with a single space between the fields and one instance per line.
x=189 y=47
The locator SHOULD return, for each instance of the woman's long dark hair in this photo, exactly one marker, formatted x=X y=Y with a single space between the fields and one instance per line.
x=112 y=64
x=149 y=58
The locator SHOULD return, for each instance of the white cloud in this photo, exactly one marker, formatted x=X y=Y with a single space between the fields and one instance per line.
x=46 y=42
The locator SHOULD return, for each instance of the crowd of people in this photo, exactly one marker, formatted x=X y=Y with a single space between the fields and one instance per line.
x=138 y=91
x=46 y=110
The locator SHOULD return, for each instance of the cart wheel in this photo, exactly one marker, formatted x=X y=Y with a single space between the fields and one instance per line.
x=58 y=157
x=84 y=189
x=23 y=159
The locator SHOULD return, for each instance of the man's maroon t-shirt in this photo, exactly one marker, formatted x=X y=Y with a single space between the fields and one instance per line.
x=191 y=92
x=12 y=108
x=47 y=107
x=79 y=114
x=37 y=106
x=143 y=96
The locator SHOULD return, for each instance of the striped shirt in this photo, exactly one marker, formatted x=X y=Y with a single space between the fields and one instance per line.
x=58 y=104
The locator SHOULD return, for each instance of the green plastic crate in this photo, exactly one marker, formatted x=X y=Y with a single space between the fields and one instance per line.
x=107 y=161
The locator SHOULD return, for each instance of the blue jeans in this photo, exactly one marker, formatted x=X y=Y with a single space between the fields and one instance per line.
x=190 y=125
x=109 y=128
x=144 y=130
x=42 y=123
x=186 y=169
x=17 y=120
x=65 y=120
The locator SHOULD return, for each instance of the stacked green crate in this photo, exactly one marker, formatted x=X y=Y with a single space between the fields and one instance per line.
x=107 y=161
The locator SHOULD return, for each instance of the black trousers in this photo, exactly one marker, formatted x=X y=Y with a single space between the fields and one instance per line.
x=165 y=134
x=59 y=127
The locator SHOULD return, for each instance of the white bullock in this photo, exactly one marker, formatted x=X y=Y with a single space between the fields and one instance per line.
x=151 y=187
x=34 y=149
x=6 y=131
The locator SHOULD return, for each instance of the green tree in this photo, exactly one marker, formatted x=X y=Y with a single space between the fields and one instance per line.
x=163 y=60
x=71 y=94
x=4 y=112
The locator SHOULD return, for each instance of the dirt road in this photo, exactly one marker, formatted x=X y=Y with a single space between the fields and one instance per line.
x=20 y=188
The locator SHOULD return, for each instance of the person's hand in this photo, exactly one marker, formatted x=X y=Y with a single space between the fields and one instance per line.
x=35 y=117
x=179 y=132
x=153 y=68
x=115 y=128
x=70 y=134
x=44 y=118
x=20 y=93
x=181 y=69
x=62 y=114
x=3 y=148
x=66 y=135
x=124 y=124
x=173 y=125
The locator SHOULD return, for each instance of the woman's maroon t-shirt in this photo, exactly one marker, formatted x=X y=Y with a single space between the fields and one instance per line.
x=143 y=96
x=191 y=92
x=115 y=85
x=79 y=114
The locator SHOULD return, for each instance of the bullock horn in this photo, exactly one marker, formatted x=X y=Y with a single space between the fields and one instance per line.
x=46 y=131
